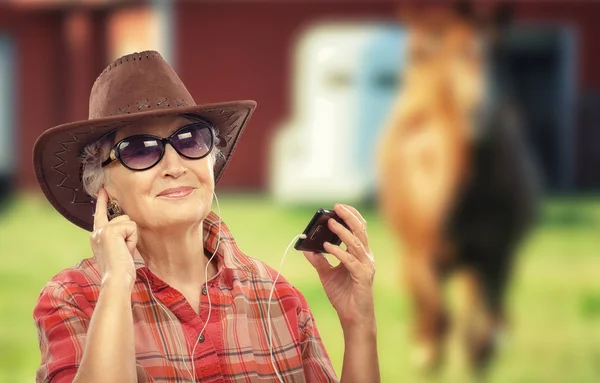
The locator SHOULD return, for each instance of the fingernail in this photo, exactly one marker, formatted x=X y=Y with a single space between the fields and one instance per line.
x=326 y=244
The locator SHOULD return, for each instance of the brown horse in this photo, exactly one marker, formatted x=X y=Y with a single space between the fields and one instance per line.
x=454 y=187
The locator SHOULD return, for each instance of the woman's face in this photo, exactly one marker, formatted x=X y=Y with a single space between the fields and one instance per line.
x=139 y=192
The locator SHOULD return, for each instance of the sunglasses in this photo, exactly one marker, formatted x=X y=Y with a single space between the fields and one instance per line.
x=143 y=151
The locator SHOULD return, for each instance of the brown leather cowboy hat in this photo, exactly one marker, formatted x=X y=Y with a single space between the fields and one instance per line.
x=133 y=87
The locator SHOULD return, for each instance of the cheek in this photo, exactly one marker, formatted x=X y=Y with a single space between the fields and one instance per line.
x=203 y=169
x=130 y=188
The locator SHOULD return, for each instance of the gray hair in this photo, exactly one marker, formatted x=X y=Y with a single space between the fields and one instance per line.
x=94 y=176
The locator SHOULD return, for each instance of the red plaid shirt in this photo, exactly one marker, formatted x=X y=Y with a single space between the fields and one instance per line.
x=235 y=348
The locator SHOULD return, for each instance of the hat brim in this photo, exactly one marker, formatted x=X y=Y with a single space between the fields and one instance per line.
x=56 y=152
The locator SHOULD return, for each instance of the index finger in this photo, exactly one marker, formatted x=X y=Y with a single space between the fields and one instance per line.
x=101 y=214
x=355 y=212
x=355 y=222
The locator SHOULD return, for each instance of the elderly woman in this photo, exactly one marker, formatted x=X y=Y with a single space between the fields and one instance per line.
x=168 y=295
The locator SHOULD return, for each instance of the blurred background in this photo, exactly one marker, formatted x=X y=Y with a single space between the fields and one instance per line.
x=325 y=75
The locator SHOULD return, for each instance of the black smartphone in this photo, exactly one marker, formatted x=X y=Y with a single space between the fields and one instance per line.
x=318 y=232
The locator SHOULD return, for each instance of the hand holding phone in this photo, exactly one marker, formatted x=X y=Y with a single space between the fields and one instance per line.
x=317 y=232
x=349 y=284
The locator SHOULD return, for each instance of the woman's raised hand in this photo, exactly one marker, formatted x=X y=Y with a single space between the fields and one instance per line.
x=114 y=243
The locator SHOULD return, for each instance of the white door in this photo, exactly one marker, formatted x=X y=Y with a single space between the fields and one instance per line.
x=314 y=157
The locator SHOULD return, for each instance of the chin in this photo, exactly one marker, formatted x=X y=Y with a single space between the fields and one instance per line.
x=183 y=220
x=172 y=215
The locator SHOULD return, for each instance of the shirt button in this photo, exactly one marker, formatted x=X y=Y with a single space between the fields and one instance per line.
x=204 y=291
x=201 y=338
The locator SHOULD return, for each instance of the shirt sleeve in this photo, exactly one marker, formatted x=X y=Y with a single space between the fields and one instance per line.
x=62 y=329
x=315 y=360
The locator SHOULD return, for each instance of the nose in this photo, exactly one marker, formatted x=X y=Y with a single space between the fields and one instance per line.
x=172 y=163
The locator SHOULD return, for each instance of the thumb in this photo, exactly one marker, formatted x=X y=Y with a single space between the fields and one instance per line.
x=132 y=245
x=318 y=261
x=131 y=239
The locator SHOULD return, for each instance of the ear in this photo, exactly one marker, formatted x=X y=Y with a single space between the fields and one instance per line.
x=110 y=191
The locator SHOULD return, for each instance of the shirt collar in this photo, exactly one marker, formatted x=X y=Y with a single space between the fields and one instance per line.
x=229 y=256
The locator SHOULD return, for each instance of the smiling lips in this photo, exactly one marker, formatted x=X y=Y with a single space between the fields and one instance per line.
x=176 y=192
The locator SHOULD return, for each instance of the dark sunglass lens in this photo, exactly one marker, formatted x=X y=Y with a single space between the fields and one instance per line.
x=140 y=152
x=194 y=141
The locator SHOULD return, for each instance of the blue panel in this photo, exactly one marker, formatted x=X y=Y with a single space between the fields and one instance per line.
x=7 y=107
x=382 y=62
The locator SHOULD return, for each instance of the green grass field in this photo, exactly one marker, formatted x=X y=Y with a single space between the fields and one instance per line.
x=554 y=300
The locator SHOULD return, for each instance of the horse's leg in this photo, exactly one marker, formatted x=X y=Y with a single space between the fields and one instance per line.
x=480 y=319
x=493 y=291
x=471 y=312
x=424 y=282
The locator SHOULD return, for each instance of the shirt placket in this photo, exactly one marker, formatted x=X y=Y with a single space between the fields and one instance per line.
x=204 y=344
x=206 y=365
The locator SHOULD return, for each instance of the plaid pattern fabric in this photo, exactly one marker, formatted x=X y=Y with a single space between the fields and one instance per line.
x=235 y=346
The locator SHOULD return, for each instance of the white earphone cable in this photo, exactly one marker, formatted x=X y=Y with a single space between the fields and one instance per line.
x=269 y=324
x=207 y=292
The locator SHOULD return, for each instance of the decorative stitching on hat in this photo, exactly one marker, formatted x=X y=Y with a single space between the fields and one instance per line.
x=233 y=127
x=221 y=167
x=62 y=162
x=229 y=116
x=141 y=104
x=159 y=102
x=119 y=61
